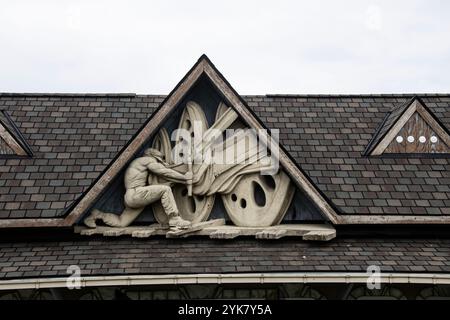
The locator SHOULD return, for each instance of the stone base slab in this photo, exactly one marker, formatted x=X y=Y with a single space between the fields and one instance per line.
x=216 y=229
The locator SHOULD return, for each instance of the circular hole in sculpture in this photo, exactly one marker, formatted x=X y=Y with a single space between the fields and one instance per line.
x=243 y=203
x=259 y=195
x=410 y=139
x=399 y=139
x=233 y=197
x=433 y=139
x=181 y=154
x=192 y=134
x=269 y=181
x=422 y=139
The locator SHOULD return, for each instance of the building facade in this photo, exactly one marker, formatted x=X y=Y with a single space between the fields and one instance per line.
x=204 y=193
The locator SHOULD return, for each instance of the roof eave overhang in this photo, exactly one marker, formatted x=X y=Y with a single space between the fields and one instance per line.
x=228 y=278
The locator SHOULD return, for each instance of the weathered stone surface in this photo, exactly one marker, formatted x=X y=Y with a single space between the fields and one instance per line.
x=216 y=229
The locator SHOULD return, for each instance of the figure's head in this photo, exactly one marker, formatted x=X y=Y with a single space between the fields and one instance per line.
x=150 y=152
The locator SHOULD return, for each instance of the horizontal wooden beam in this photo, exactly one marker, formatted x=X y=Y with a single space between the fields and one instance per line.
x=228 y=278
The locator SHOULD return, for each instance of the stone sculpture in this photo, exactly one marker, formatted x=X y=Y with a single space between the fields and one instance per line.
x=183 y=192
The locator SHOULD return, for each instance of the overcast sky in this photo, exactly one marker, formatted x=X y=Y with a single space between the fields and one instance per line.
x=260 y=46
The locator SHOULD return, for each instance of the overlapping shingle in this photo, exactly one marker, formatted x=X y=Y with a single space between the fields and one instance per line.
x=164 y=256
x=73 y=139
x=327 y=135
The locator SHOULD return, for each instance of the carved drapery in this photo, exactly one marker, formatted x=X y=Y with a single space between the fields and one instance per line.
x=250 y=198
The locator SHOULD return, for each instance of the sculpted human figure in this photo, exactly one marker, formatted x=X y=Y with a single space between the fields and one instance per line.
x=143 y=188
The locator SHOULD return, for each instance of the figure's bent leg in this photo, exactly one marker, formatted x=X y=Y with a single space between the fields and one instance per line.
x=150 y=194
x=113 y=220
x=124 y=219
x=135 y=202
x=170 y=208
x=168 y=201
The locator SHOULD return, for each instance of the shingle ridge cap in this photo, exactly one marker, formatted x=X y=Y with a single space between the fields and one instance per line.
x=354 y=95
x=268 y=95
x=68 y=94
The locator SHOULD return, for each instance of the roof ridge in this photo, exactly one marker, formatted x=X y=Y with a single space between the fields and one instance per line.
x=56 y=94
x=355 y=95
x=268 y=95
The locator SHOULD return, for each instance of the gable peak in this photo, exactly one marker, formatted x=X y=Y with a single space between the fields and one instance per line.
x=410 y=128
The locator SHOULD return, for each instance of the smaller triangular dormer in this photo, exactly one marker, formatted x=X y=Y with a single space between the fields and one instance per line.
x=410 y=128
x=12 y=143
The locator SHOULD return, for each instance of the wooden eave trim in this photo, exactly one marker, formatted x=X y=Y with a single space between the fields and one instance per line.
x=226 y=278
x=429 y=119
x=345 y=219
x=395 y=129
x=393 y=219
x=11 y=142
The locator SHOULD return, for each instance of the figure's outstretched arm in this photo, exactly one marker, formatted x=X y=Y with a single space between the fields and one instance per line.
x=200 y=172
x=169 y=174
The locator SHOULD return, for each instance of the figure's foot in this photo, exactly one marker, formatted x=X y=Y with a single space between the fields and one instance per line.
x=90 y=220
x=179 y=222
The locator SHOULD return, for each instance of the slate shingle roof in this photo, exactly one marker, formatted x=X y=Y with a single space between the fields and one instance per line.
x=327 y=137
x=74 y=137
x=164 y=256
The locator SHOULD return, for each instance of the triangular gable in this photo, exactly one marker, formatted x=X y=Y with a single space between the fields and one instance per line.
x=203 y=68
x=12 y=142
x=411 y=128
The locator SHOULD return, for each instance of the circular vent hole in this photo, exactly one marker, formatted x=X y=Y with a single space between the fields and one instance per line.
x=259 y=195
x=243 y=203
x=233 y=197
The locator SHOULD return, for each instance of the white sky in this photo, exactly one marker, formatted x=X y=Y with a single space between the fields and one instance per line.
x=260 y=46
